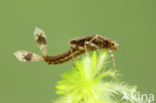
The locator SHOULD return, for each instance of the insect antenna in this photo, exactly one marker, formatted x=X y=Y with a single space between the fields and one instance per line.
x=41 y=40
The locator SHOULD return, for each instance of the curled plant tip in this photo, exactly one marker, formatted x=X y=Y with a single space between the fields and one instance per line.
x=25 y=56
x=40 y=39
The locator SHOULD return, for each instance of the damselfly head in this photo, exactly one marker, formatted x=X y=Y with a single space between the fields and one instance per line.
x=113 y=45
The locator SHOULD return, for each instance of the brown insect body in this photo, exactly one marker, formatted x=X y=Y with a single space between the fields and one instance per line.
x=78 y=47
x=65 y=57
x=95 y=42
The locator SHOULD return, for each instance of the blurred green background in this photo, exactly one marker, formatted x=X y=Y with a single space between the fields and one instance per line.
x=132 y=23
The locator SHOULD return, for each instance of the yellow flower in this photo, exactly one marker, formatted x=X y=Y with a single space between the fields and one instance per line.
x=90 y=81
